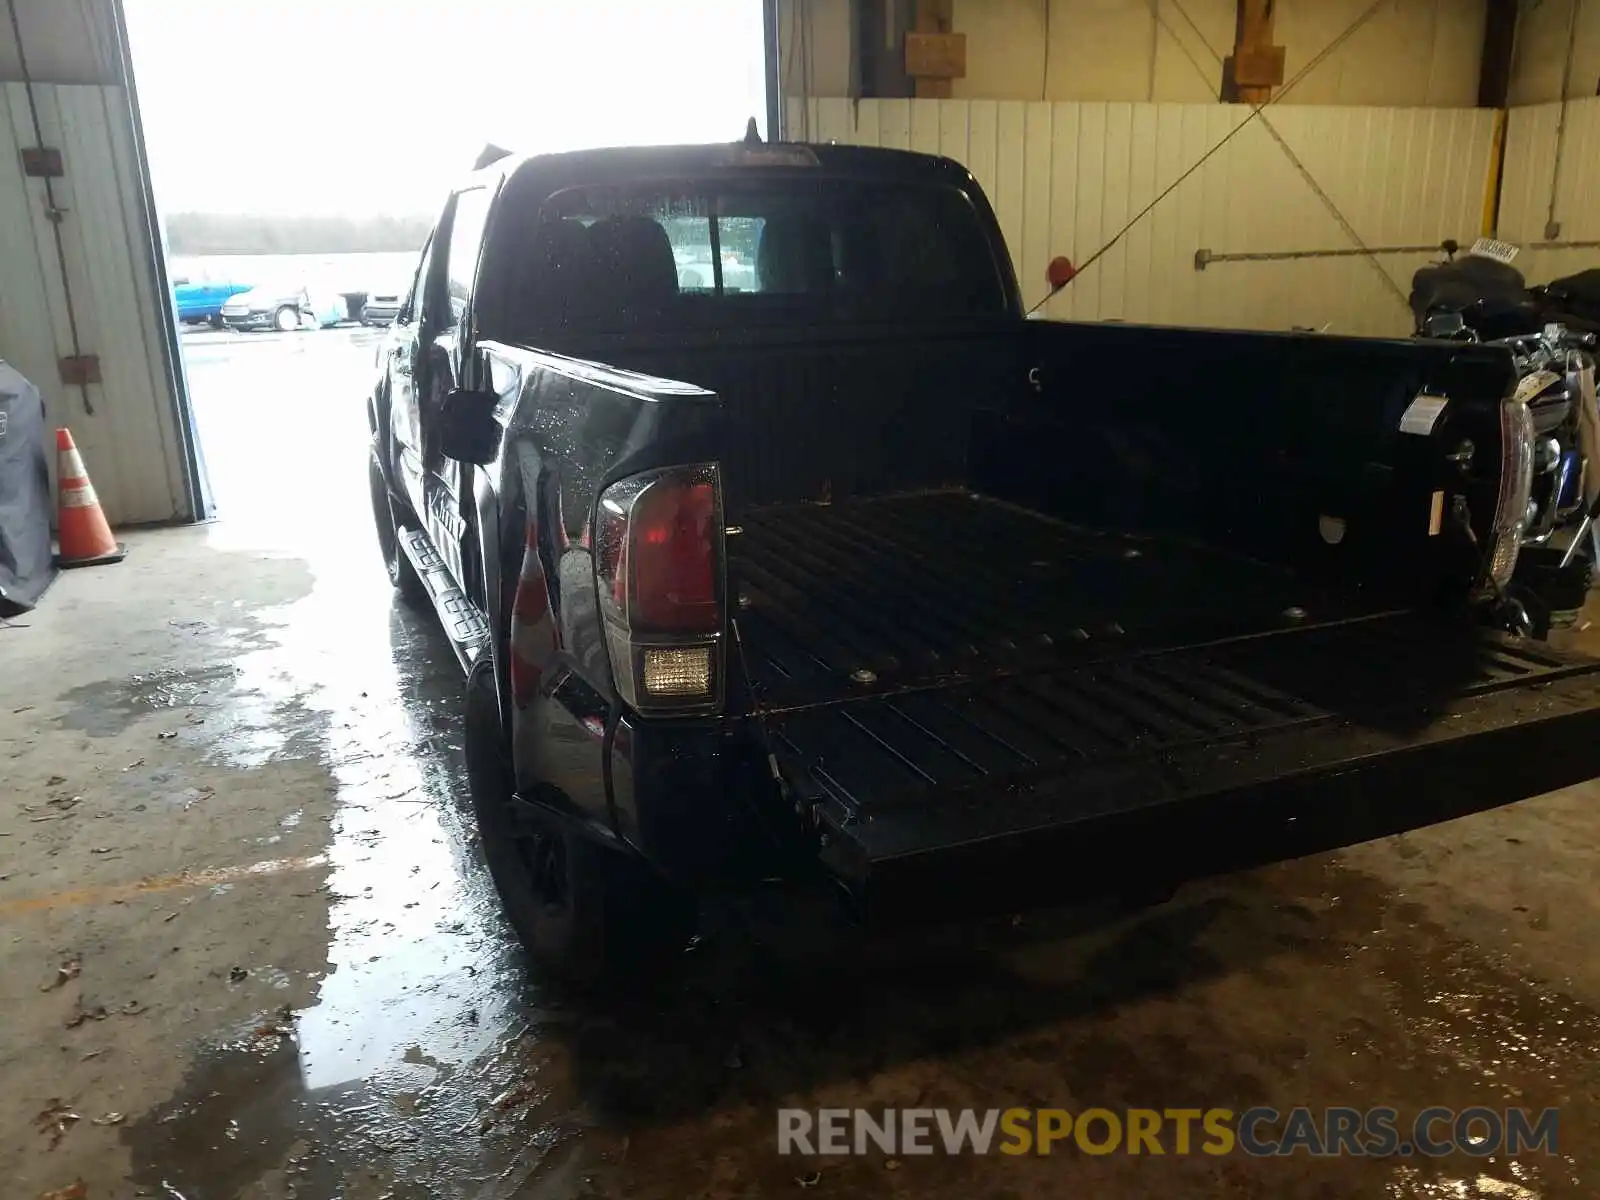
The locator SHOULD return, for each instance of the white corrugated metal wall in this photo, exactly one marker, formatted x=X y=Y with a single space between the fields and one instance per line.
x=1064 y=177
x=1531 y=177
x=128 y=441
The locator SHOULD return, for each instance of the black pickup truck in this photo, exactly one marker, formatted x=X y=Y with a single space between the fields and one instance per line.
x=823 y=568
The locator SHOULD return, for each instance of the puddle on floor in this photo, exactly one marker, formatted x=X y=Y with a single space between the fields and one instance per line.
x=105 y=709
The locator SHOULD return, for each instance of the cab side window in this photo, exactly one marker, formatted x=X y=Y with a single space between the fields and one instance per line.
x=466 y=239
x=419 y=283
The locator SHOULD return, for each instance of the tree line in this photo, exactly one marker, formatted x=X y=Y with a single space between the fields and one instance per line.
x=228 y=233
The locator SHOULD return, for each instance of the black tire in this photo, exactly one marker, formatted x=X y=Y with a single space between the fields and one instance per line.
x=214 y=321
x=586 y=915
x=402 y=575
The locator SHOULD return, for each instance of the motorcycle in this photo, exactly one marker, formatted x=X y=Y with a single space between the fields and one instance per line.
x=1481 y=297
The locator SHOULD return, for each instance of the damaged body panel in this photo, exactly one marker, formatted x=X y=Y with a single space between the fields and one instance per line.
x=831 y=568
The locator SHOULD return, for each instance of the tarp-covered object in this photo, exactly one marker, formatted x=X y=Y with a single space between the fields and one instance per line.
x=26 y=565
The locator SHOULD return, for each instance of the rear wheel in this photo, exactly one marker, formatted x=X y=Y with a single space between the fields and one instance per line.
x=402 y=575
x=586 y=914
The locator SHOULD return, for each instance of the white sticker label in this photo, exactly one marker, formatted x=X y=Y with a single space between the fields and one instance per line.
x=1501 y=252
x=1530 y=386
x=1422 y=414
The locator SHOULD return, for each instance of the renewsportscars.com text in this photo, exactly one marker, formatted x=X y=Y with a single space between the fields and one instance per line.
x=1259 y=1131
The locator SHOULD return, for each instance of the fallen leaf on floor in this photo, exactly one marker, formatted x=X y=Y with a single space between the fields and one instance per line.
x=63 y=802
x=68 y=970
x=23 y=709
x=51 y=817
x=55 y=1119
x=170 y=733
x=108 y=1119
x=54 y=780
x=810 y=1180
x=171 y=916
x=133 y=1008
x=76 y=1190
x=101 y=849
x=97 y=1013
x=138 y=762
x=235 y=974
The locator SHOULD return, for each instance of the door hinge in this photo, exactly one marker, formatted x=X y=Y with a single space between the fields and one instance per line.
x=80 y=368
x=42 y=162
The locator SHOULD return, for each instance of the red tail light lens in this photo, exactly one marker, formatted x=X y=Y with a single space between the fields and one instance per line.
x=669 y=561
x=658 y=556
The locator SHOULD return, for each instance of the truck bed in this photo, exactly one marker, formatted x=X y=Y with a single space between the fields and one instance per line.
x=942 y=676
x=939 y=586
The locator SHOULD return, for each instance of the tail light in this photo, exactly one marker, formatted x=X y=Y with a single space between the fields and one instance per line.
x=658 y=555
x=1516 y=483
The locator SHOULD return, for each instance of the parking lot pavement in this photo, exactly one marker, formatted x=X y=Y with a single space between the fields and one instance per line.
x=253 y=950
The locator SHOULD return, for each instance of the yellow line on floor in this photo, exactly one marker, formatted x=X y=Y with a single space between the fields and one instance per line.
x=161 y=883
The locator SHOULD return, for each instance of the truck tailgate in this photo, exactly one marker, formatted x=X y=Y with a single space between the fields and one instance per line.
x=969 y=750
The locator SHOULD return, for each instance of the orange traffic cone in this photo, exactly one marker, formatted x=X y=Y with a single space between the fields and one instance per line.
x=85 y=537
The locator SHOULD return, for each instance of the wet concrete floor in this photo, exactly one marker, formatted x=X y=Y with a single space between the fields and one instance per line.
x=250 y=949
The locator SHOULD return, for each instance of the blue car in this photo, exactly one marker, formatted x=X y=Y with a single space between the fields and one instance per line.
x=200 y=303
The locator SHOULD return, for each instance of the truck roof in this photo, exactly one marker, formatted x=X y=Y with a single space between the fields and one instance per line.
x=623 y=163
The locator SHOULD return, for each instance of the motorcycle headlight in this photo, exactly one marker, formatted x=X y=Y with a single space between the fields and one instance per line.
x=1516 y=483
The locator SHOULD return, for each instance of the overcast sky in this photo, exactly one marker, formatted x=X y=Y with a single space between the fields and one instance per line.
x=363 y=106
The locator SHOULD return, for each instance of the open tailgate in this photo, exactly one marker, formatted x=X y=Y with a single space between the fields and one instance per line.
x=1038 y=787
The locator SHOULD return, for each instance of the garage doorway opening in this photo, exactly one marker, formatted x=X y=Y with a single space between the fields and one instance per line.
x=298 y=158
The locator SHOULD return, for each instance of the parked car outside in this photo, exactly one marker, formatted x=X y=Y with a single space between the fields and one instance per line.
x=200 y=301
x=696 y=273
x=284 y=308
x=382 y=307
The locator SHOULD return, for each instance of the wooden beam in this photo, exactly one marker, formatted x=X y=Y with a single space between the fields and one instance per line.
x=1256 y=65
x=935 y=53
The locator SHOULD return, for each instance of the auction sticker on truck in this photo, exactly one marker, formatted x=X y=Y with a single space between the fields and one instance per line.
x=1422 y=414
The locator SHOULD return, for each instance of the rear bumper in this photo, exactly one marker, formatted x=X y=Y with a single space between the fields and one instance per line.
x=1145 y=824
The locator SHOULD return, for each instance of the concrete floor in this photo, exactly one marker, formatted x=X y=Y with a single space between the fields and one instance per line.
x=234 y=793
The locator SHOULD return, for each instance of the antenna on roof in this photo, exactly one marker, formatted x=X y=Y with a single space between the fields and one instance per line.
x=752 y=135
x=489 y=154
